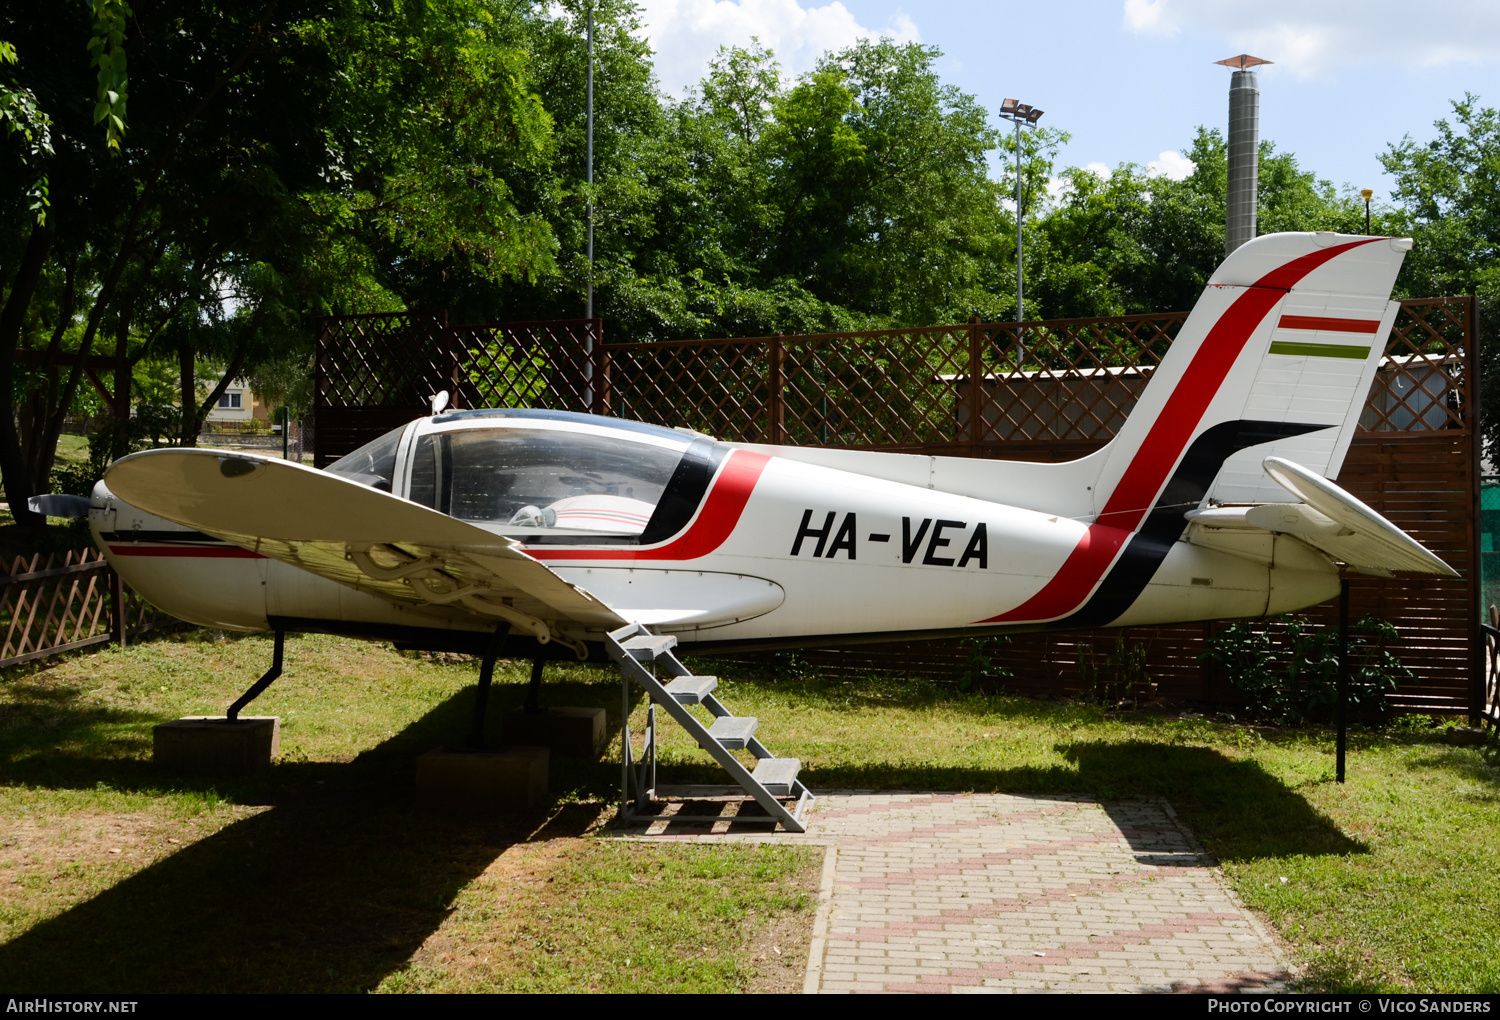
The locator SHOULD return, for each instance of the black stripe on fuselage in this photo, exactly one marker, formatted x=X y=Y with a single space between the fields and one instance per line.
x=1163 y=526
x=679 y=500
x=685 y=490
x=162 y=537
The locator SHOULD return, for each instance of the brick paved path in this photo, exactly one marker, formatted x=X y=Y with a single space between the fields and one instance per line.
x=991 y=893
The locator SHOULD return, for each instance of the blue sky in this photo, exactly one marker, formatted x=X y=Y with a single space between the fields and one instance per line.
x=1132 y=79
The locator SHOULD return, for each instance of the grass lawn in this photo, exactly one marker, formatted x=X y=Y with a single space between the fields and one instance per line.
x=322 y=874
x=72 y=451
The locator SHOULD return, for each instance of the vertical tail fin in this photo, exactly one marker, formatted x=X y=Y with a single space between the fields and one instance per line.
x=1276 y=359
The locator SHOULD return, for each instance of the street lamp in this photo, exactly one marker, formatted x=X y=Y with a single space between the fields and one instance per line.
x=1367 y=194
x=588 y=343
x=589 y=170
x=1020 y=113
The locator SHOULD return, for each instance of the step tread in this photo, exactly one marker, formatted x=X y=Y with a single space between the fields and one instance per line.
x=777 y=775
x=649 y=646
x=690 y=690
x=733 y=731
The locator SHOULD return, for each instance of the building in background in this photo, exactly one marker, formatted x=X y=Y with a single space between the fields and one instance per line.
x=238 y=404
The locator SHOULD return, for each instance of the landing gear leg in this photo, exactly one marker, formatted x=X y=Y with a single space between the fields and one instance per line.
x=258 y=688
x=534 y=691
x=486 y=677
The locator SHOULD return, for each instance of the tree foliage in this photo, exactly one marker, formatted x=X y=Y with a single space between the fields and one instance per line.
x=1449 y=193
x=286 y=159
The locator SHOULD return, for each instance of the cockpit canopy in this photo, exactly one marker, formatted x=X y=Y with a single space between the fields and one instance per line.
x=525 y=472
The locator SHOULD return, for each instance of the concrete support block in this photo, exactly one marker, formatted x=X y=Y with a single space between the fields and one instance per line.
x=212 y=745
x=482 y=781
x=570 y=732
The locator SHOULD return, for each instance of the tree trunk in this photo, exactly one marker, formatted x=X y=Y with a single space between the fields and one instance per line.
x=236 y=365
x=38 y=442
x=13 y=473
x=187 y=364
x=120 y=411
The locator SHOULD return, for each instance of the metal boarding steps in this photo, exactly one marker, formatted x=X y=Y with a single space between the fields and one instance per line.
x=641 y=655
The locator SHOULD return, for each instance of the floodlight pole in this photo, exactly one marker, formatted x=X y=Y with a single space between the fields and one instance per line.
x=1019 y=113
x=1020 y=279
x=1367 y=194
x=588 y=343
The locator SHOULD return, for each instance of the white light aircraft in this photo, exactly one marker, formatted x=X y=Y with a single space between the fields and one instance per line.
x=1212 y=502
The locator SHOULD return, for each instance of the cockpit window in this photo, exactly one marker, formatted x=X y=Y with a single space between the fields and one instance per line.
x=543 y=478
x=373 y=464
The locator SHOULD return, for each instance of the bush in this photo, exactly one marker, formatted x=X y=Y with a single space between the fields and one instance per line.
x=151 y=425
x=1120 y=679
x=1286 y=669
x=978 y=665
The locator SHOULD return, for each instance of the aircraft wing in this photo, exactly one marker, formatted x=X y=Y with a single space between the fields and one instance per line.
x=355 y=535
x=1331 y=520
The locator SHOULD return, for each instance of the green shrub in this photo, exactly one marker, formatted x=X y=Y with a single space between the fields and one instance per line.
x=978 y=664
x=1286 y=669
x=151 y=425
x=1120 y=678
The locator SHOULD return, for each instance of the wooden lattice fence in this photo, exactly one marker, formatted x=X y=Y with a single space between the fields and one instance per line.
x=375 y=372
x=55 y=602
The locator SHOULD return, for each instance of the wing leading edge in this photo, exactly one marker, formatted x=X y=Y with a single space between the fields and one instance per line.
x=341 y=530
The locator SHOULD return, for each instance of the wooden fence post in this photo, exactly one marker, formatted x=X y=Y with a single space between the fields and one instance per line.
x=1478 y=694
x=118 y=630
x=776 y=427
x=976 y=381
x=453 y=357
x=600 y=366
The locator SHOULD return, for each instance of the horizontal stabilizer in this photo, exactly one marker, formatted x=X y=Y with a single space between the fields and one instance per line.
x=1340 y=525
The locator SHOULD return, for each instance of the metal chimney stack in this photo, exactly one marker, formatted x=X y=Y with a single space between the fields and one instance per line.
x=1244 y=151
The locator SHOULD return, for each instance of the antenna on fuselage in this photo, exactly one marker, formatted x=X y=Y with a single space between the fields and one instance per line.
x=439 y=401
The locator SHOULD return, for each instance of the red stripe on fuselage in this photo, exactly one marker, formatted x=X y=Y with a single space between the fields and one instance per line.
x=1329 y=325
x=715 y=522
x=213 y=552
x=1170 y=433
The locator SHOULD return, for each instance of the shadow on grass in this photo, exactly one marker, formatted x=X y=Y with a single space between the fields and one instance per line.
x=344 y=877
x=331 y=889
x=55 y=741
x=1235 y=807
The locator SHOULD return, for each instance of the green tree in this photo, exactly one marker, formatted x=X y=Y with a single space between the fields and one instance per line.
x=857 y=195
x=1448 y=193
x=1137 y=242
x=282 y=161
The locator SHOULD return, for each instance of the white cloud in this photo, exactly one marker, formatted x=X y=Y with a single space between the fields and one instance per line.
x=1308 y=38
x=1149 y=17
x=686 y=34
x=1099 y=170
x=1172 y=165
